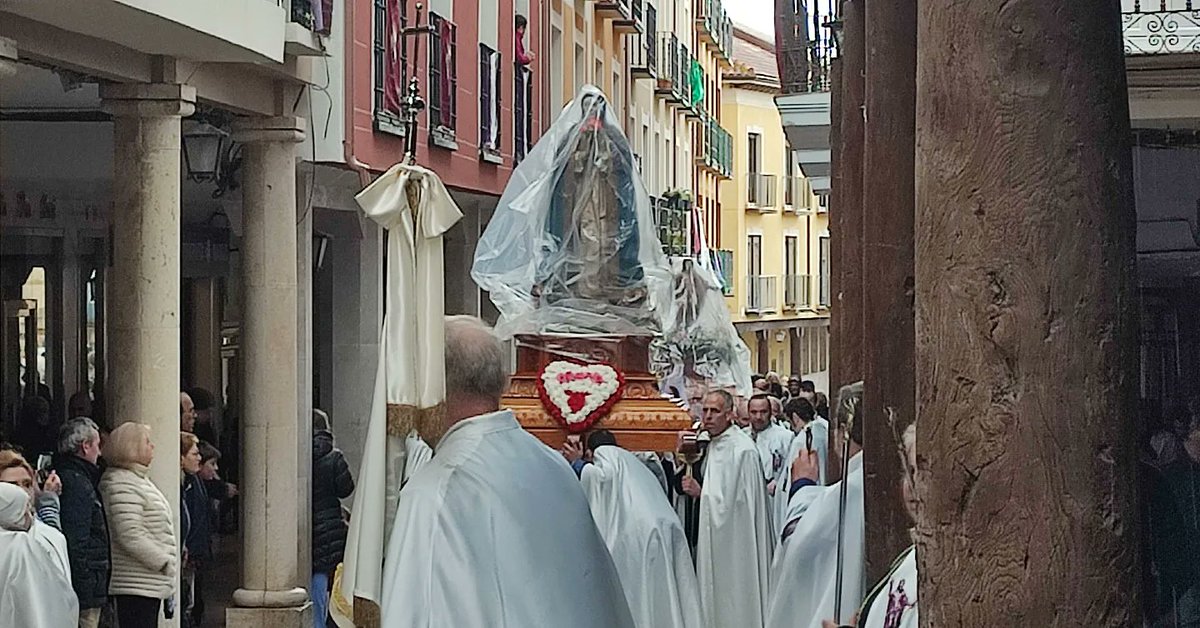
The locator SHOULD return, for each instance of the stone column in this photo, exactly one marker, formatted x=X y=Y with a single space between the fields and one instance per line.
x=1027 y=315
x=274 y=497
x=142 y=298
x=888 y=193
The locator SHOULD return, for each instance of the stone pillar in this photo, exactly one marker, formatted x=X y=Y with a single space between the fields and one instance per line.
x=274 y=497
x=142 y=296
x=888 y=350
x=1027 y=305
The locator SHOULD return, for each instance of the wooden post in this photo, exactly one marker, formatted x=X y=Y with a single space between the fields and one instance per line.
x=1027 y=347
x=835 y=201
x=889 y=386
x=848 y=215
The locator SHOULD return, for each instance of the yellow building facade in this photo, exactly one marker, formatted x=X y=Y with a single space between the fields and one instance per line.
x=774 y=227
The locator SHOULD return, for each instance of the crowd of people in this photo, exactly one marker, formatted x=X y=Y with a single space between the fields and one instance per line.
x=494 y=530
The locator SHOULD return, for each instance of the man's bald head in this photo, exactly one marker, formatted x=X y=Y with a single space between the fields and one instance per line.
x=474 y=360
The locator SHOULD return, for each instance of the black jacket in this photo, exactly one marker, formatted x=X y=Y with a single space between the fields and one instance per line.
x=86 y=529
x=198 y=533
x=331 y=482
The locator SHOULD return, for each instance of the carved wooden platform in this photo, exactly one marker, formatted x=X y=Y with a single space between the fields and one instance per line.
x=642 y=421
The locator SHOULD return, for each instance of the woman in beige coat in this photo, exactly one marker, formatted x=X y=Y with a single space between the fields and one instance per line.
x=140 y=527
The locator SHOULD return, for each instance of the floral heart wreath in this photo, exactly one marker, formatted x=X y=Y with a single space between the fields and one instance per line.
x=577 y=395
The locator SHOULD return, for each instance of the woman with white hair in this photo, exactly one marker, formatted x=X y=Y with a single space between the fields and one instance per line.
x=36 y=593
x=140 y=528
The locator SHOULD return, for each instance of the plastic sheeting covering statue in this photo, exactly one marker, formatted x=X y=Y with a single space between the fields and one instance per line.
x=572 y=247
x=700 y=344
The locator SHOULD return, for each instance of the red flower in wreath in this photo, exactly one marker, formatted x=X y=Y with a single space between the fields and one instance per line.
x=577 y=395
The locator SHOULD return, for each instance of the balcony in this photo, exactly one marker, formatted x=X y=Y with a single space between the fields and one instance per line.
x=760 y=192
x=621 y=14
x=796 y=194
x=642 y=56
x=1157 y=27
x=723 y=151
x=672 y=217
x=670 y=61
x=760 y=294
x=697 y=80
x=217 y=31
x=797 y=292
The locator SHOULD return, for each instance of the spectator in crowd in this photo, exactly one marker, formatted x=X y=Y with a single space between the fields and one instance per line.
x=808 y=390
x=774 y=385
x=219 y=491
x=15 y=469
x=36 y=587
x=140 y=528
x=793 y=388
x=187 y=413
x=523 y=56
x=195 y=508
x=83 y=519
x=821 y=404
x=204 y=409
x=36 y=432
x=80 y=405
x=331 y=483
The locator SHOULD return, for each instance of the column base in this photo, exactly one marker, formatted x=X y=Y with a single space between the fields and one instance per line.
x=296 y=617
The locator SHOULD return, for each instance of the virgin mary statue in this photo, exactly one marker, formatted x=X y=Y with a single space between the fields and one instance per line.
x=571 y=247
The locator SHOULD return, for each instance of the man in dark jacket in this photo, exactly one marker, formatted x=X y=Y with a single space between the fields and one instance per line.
x=331 y=483
x=82 y=516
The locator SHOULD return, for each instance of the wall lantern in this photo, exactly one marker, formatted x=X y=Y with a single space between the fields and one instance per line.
x=203 y=149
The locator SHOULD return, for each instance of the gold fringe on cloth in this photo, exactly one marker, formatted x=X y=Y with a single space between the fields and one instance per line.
x=366 y=613
x=403 y=418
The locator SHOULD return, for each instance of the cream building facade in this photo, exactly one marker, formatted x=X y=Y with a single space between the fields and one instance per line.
x=774 y=224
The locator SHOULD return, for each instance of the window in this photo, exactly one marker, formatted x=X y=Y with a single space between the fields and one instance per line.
x=791 y=251
x=443 y=81
x=616 y=99
x=823 y=242
x=789 y=185
x=755 y=292
x=522 y=112
x=795 y=286
x=489 y=102
x=389 y=67
x=580 y=65
x=754 y=195
x=556 y=67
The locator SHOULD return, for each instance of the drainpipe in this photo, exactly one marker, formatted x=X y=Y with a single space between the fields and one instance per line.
x=352 y=162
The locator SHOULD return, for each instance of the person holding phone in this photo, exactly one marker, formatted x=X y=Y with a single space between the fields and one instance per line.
x=14 y=469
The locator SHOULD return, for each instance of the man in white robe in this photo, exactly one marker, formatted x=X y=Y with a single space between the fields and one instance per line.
x=804 y=574
x=642 y=532
x=808 y=428
x=416 y=210
x=36 y=589
x=773 y=442
x=494 y=531
x=893 y=601
x=736 y=537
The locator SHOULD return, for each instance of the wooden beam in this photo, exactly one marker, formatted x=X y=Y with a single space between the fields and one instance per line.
x=889 y=387
x=847 y=216
x=1027 y=345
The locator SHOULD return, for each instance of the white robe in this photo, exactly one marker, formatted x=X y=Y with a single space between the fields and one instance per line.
x=646 y=540
x=897 y=593
x=736 y=537
x=36 y=589
x=495 y=532
x=410 y=378
x=820 y=444
x=773 y=444
x=804 y=575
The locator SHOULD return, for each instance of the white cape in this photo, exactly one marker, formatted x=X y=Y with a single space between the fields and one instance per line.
x=805 y=569
x=896 y=594
x=646 y=540
x=495 y=532
x=736 y=538
x=36 y=590
x=416 y=210
x=774 y=445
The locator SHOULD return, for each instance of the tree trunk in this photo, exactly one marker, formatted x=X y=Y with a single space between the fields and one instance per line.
x=1027 y=348
x=847 y=215
x=889 y=200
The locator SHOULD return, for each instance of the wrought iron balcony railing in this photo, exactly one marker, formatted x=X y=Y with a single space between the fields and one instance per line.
x=1153 y=27
x=797 y=292
x=760 y=192
x=760 y=294
x=670 y=62
x=804 y=46
x=642 y=50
